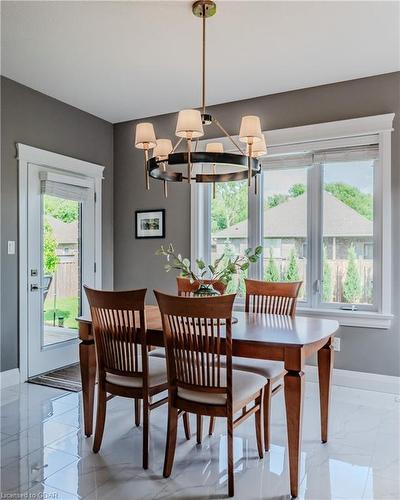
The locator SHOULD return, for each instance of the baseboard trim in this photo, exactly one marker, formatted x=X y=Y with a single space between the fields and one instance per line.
x=358 y=380
x=9 y=377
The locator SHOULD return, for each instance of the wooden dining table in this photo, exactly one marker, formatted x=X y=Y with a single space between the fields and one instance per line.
x=254 y=335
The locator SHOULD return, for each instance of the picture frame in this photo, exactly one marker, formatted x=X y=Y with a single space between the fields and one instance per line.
x=150 y=224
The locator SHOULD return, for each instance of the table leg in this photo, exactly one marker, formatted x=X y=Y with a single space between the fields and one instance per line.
x=325 y=365
x=87 y=359
x=294 y=393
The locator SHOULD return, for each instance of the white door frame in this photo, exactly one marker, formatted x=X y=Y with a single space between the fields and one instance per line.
x=27 y=155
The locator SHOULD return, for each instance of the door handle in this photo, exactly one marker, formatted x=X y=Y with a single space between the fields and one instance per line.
x=35 y=287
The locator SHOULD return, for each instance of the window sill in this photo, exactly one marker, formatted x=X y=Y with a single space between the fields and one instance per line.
x=363 y=319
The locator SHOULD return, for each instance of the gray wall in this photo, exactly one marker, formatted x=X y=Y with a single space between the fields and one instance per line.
x=40 y=121
x=135 y=265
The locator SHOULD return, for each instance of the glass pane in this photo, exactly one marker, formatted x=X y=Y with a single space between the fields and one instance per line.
x=229 y=214
x=285 y=226
x=61 y=268
x=348 y=232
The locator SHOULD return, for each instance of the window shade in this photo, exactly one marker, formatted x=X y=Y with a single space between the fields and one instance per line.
x=355 y=153
x=288 y=161
x=64 y=187
x=360 y=153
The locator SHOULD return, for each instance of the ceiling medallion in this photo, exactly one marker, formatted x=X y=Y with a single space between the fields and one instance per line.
x=212 y=165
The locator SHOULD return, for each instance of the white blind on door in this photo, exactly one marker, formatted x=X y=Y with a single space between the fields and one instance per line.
x=64 y=187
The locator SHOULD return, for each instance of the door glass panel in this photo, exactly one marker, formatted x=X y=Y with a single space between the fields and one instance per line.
x=61 y=269
x=229 y=218
x=285 y=226
x=348 y=235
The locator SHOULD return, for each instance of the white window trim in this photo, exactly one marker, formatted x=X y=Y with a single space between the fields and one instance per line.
x=83 y=170
x=357 y=131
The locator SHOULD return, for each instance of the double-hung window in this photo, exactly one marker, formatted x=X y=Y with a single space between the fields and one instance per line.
x=322 y=216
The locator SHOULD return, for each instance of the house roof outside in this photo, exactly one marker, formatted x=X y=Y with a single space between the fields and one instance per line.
x=288 y=220
x=64 y=233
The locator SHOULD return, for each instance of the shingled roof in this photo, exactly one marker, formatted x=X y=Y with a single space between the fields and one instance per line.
x=288 y=220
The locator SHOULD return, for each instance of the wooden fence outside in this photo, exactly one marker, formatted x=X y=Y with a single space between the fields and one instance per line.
x=65 y=282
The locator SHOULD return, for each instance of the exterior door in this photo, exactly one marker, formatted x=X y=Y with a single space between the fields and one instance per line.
x=61 y=258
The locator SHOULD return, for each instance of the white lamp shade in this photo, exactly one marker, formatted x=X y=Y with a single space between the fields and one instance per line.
x=259 y=148
x=214 y=147
x=163 y=148
x=145 y=138
x=250 y=129
x=189 y=124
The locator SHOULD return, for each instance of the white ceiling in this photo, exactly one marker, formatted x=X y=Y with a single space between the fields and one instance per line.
x=125 y=60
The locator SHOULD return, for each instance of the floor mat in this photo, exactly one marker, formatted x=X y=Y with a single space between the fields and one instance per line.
x=68 y=378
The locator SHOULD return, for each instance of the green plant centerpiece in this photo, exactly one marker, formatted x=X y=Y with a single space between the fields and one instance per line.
x=222 y=269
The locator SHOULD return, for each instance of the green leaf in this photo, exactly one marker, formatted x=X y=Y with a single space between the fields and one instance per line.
x=167 y=268
x=259 y=250
x=200 y=264
x=211 y=268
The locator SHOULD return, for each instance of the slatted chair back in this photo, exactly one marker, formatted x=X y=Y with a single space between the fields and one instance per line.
x=193 y=328
x=186 y=288
x=272 y=297
x=119 y=329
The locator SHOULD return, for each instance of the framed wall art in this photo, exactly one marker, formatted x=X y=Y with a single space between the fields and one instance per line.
x=150 y=223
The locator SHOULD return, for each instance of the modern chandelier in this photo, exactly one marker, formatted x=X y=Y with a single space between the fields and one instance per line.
x=212 y=165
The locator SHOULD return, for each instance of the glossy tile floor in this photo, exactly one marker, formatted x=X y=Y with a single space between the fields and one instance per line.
x=44 y=453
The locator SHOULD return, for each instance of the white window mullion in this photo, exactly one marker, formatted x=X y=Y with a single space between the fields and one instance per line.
x=255 y=226
x=383 y=224
x=200 y=223
x=315 y=220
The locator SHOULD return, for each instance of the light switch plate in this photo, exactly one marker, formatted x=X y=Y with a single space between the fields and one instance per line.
x=336 y=344
x=11 y=248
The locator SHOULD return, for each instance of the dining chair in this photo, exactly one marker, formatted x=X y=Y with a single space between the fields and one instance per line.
x=197 y=336
x=186 y=287
x=124 y=367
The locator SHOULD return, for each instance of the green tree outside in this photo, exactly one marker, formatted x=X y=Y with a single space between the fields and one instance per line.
x=297 y=190
x=275 y=200
x=50 y=258
x=292 y=270
x=352 y=197
x=327 y=284
x=230 y=205
x=352 y=287
x=64 y=210
x=271 y=272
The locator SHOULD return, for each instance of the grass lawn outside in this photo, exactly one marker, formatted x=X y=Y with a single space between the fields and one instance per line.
x=66 y=307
